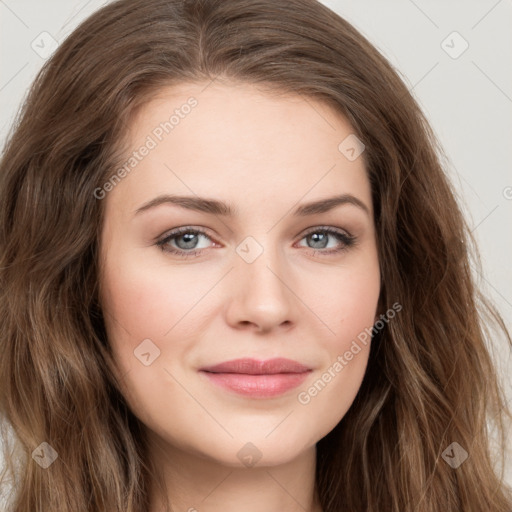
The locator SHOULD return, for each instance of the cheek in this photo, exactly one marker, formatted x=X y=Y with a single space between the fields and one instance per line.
x=142 y=304
x=146 y=299
x=349 y=302
x=349 y=311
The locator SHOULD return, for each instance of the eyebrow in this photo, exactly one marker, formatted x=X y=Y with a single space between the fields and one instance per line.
x=215 y=207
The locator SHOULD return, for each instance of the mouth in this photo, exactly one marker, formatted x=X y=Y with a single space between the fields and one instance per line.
x=257 y=379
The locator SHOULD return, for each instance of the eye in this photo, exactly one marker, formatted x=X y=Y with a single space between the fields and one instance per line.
x=319 y=237
x=186 y=239
x=184 y=242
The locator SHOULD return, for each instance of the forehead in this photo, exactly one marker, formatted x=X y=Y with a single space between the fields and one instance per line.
x=240 y=143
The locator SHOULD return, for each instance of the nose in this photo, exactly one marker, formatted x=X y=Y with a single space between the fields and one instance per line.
x=261 y=294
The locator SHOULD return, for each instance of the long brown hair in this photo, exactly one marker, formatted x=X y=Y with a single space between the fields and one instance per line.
x=430 y=380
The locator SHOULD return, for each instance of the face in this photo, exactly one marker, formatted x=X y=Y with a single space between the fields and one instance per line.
x=187 y=285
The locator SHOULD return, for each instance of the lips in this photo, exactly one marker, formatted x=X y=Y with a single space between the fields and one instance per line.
x=255 y=367
x=257 y=379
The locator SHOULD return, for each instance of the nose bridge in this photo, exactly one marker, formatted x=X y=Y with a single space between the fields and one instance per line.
x=261 y=261
x=261 y=292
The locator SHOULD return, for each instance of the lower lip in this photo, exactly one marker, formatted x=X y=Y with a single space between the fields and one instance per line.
x=257 y=386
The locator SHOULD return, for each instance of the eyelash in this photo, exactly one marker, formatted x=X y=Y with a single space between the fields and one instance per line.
x=347 y=240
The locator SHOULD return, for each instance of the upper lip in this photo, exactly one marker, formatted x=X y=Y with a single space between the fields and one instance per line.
x=255 y=367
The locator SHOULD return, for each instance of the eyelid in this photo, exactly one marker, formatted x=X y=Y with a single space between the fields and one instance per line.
x=170 y=233
x=346 y=237
x=314 y=229
x=206 y=232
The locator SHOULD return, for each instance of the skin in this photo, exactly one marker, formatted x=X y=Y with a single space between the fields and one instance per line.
x=265 y=154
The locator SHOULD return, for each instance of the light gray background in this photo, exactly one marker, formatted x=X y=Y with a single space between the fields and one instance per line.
x=468 y=99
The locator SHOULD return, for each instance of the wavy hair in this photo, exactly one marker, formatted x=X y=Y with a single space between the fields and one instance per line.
x=430 y=380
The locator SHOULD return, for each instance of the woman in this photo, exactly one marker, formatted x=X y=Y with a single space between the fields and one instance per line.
x=234 y=276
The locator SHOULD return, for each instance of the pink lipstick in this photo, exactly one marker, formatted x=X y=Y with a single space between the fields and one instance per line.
x=257 y=379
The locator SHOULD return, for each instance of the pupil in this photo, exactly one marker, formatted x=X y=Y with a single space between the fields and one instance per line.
x=189 y=244
x=316 y=236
